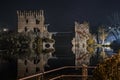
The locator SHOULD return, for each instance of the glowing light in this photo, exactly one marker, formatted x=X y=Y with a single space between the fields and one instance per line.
x=107 y=43
x=107 y=48
x=5 y=29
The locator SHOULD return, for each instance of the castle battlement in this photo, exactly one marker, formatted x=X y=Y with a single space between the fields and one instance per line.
x=31 y=21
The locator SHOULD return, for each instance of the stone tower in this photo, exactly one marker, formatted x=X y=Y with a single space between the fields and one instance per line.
x=31 y=21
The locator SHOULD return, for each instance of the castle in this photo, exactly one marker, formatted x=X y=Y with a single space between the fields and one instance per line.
x=32 y=24
x=31 y=20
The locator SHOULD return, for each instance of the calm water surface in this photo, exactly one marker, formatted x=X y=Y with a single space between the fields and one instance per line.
x=12 y=67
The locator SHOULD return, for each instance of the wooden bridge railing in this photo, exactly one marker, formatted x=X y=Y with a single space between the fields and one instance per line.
x=39 y=75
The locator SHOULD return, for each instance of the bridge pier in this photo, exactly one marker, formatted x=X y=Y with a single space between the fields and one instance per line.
x=84 y=72
x=40 y=77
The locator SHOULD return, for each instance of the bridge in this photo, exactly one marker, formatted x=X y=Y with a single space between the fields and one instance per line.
x=47 y=74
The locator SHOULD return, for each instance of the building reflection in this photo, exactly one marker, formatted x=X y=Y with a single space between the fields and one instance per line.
x=32 y=65
x=31 y=46
x=80 y=47
x=87 y=49
x=32 y=24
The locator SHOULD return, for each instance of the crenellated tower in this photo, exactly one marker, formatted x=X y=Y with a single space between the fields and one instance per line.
x=31 y=20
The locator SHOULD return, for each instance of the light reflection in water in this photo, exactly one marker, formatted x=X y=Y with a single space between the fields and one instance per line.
x=87 y=49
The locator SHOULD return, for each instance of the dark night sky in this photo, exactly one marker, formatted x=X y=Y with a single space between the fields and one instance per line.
x=61 y=14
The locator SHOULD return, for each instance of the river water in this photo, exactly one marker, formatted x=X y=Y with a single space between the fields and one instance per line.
x=12 y=67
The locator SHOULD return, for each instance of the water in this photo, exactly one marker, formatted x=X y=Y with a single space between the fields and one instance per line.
x=13 y=67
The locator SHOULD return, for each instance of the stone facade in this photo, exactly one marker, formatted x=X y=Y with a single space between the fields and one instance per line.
x=31 y=24
x=31 y=20
x=80 y=43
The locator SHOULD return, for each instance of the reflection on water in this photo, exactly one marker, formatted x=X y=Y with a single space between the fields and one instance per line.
x=87 y=49
x=83 y=44
x=32 y=65
x=26 y=63
x=29 y=52
x=23 y=66
x=23 y=62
